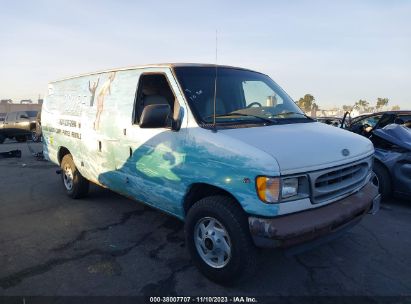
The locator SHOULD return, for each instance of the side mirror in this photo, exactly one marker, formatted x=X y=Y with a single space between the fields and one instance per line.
x=155 y=116
x=24 y=116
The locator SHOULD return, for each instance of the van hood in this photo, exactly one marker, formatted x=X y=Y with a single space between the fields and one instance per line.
x=303 y=147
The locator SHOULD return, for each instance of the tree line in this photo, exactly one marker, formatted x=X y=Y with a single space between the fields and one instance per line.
x=308 y=104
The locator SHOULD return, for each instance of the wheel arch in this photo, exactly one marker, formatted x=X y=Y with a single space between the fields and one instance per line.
x=61 y=153
x=379 y=162
x=198 y=191
x=386 y=186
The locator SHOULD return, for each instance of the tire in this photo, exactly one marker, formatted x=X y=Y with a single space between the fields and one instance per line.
x=34 y=136
x=75 y=184
x=21 y=138
x=236 y=264
x=2 y=139
x=383 y=180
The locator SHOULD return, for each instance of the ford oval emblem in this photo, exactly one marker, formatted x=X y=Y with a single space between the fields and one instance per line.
x=345 y=152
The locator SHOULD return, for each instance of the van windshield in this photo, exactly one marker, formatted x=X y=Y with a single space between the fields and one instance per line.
x=242 y=97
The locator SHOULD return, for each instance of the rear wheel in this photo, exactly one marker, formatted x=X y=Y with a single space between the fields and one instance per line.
x=382 y=179
x=219 y=241
x=75 y=184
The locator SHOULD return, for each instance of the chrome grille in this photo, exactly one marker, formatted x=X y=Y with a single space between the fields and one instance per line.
x=335 y=182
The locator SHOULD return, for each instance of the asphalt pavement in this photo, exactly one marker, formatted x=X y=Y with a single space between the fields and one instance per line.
x=109 y=245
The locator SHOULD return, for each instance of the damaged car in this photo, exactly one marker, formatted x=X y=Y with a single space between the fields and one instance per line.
x=390 y=133
x=333 y=121
x=392 y=164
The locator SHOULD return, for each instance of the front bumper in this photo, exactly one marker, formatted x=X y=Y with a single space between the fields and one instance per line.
x=297 y=228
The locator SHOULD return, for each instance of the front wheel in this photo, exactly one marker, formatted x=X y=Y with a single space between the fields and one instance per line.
x=219 y=241
x=35 y=137
x=75 y=184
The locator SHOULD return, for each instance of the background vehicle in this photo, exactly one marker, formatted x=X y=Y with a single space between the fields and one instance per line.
x=390 y=133
x=19 y=125
x=333 y=121
x=36 y=135
x=364 y=124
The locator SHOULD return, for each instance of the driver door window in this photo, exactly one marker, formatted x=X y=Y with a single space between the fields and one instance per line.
x=10 y=119
x=371 y=121
x=368 y=122
x=259 y=94
x=152 y=89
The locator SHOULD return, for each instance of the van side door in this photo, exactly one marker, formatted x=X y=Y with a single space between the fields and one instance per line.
x=150 y=161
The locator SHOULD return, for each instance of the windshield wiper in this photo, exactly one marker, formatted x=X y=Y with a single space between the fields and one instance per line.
x=270 y=121
x=296 y=113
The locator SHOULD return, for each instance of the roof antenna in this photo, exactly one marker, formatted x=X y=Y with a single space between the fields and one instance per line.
x=215 y=84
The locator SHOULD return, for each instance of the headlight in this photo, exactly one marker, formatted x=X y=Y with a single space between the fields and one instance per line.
x=289 y=187
x=277 y=189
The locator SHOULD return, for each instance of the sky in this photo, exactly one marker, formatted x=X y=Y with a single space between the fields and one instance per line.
x=338 y=51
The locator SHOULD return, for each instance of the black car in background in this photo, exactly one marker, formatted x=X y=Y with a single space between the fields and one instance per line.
x=19 y=125
x=332 y=121
x=363 y=124
x=390 y=133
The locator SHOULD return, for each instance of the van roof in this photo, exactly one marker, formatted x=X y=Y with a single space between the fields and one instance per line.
x=170 y=65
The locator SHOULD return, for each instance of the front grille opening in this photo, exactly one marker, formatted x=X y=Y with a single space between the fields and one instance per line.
x=338 y=182
x=336 y=193
x=339 y=175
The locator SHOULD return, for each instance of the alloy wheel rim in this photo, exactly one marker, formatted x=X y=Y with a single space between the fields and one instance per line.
x=212 y=242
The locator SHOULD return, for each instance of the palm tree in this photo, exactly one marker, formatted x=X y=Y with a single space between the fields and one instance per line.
x=381 y=102
x=361 y=104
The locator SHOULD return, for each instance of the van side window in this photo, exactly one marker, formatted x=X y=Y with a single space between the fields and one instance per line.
x=152 y=89
x=11 y=117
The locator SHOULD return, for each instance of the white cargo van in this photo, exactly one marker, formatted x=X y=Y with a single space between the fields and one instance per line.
x=224 y=149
